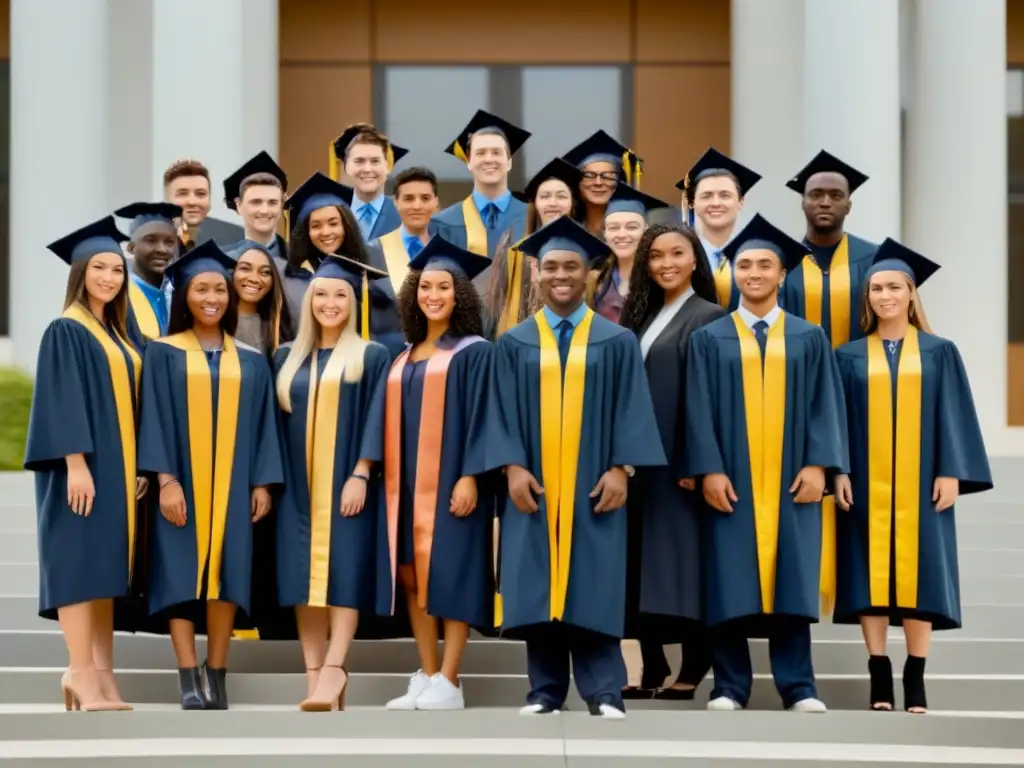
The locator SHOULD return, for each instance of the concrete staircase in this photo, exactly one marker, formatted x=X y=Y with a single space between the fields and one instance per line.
x=975 y=689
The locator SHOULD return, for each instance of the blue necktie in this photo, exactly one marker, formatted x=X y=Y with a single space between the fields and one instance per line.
x=491 y=215
x=761 y=333
x=413 y=246
x=366 y=221
x=564 y=340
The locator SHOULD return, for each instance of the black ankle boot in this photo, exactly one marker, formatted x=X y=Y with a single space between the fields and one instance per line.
x=216 y=685
x=913 y=683
x=880 y=669
x=190 y=683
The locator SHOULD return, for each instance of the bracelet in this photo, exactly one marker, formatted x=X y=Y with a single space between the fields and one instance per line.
x=364 y=478
x=169 y=482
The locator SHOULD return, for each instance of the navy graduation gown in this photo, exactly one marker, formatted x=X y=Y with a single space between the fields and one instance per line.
x=83 y=402
x=385 y=324
x=208 y=419
x=451 y=225
x=387 y=220
x=762 y=560
x=325 y=559
x=897 y=556
x=587 y=585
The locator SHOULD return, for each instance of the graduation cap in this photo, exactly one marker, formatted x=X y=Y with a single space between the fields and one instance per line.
x=514 y=135
x=205 y=257
x=261 y=163
x=339 y=147
x=318 y=191
x=244 y=246
x=761 y=234
x=894 y=256
x=824 y=162
x=358 y=276
x=441 y=255
x=714 y=162
x=101 y=236
x=602 y=148
x=556 y=169
x=625 y=199
x=147 y=213
x=563 y=234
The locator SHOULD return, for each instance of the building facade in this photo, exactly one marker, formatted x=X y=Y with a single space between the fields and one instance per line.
x=924 y=97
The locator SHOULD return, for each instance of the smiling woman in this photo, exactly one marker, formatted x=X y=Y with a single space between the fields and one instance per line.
x=264 y=319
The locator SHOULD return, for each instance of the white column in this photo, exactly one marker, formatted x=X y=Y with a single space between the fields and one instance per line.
x=852 y=102
x=767 y=102
x=956 y=192
x=260 y=46
x=59 y=120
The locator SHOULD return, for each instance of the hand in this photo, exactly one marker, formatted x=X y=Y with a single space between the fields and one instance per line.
x=945 y=492
x=260 y=503
x=141 y=486
x=611 y=489
x=353 y=497
x=687 y=483
x=172 y=502
x=81 y=489
x=522 y=486
x=718 y=491
x=809 y=485
x=463 y=496
x=844 y=492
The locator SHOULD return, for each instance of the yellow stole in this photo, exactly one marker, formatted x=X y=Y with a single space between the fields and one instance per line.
x=476 y=232
x=723 y=282
x=123 y=404
x=211 y=461
x=764 y=403
x=396 y=257
x=145 y=315
x=513 y=289
x=884 y=472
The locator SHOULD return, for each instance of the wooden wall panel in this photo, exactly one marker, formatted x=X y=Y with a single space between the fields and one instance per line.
x=5 y=29
x=316 y=103
x=684 y=31
x=1015 y=385
x=450 y=31
x=670 y=132
x=324 y=31
x=1015 y=32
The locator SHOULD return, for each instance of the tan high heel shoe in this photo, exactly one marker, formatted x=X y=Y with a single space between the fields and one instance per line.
x=108 y=684
x=335 y=698
x=312 y=680
x=74 y=702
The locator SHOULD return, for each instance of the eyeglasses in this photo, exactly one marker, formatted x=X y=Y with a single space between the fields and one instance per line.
x=606 y=176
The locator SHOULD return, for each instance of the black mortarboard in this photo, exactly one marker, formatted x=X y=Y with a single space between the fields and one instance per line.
x=318 y=191
x=563 y=234
x=824 y=162
x=712 y=161
x=601 y=147
x=205 y=257
x=439 y=254
x=358 y=276
x=625 y=199
x=761 y=234
x=261 y=163
x=515 y=135
x=340 y=146
x=101 y=236
x=146 y=213
x=556 y=169
x=892 y=255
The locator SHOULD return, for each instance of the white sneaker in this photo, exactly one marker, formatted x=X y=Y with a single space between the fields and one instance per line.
x=441 y=695
x=608 y=712
x=816 y=706
x=538 y=709
x=724 y=704
x=418 y=684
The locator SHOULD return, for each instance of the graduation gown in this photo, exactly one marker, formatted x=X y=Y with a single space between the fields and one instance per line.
x=84 y=402
x=325 y=559
x=911 y=419
x=142 y=321
x=725 y=285
x=462 y=225
x=665 y=550
x=436 y=433
x=387 y=220
x=208 y=419
x=764 y=558
x=565 y=562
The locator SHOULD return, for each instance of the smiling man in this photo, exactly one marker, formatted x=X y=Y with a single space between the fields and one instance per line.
x=416 y=201
x=368 y=157
x=256 y=191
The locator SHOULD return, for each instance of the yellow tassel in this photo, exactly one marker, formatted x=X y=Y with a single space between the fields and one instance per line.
x=638 y=173
x=333 y=164
x=459 y=152
x=365 y=309
x=627 y=167
x=287 y=223
x=391 y=159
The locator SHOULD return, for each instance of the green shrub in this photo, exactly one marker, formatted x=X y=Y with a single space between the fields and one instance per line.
x=15 y=404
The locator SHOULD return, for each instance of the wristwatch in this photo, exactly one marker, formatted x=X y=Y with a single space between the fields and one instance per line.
x=629 y=470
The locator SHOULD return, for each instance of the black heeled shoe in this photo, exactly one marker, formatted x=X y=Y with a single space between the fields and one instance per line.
x=883 y=697
x=913 y=685
x=217 y=686
x=190 y=684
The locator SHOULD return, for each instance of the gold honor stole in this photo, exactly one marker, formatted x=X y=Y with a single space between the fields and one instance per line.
x=764 y=404
x=513 y=289
x=396 y=257
x=723 y=283
x=884 y=473
x=476 y=232
x=145 y=315
x=122 y=385
x=561 y=424
x=428 y=467
x=211 y=461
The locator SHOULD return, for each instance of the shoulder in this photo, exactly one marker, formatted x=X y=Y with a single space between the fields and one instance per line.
x=61 y=326
x=523 y=334
x=705 y=310
x=852 y=349
x=281 y=354
x=376 y=353
x=797 y=326
x=930 y=343
x=244 y=350
x=860 y=248
x=517 y=207
x=604 y=330
x=722 y=326
x=451 y=216
x=167 y=344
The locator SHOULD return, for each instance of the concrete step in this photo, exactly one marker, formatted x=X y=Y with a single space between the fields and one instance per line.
x=19 y=578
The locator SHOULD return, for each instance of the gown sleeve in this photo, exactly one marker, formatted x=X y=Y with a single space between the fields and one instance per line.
x=267 y=462
x=375 y=374
x=506 y=444
x=635 y=439
x=59 y=420
x=157 y=431
x=476 y=361
x=961 y=448
x=702 y=455
x=827 y=443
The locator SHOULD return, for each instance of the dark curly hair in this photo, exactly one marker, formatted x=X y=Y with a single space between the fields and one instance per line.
x=645 y=296
x=301 y=248
x=466 y=315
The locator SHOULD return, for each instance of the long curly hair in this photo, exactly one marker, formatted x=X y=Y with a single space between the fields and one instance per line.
x=301 y=248
x=645 y=296
x=466 y=317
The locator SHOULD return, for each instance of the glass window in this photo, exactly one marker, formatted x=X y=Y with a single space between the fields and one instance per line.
x=564 y=105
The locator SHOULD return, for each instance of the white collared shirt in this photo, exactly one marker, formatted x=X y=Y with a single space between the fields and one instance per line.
x=661 y=321
x=749 y=318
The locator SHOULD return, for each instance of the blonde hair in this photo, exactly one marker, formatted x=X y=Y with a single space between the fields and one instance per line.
x=347 y=354
x=917 y=317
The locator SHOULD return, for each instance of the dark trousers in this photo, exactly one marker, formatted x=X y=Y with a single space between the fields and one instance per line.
x=596 y=659
x=696 y=660
x=789 y=650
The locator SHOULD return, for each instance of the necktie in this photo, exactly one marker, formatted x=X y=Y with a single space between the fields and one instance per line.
x=564 y=340
x=491 y=215
x=413 y=246
x=719 y=262
x=761 y=333
x=366 y=221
